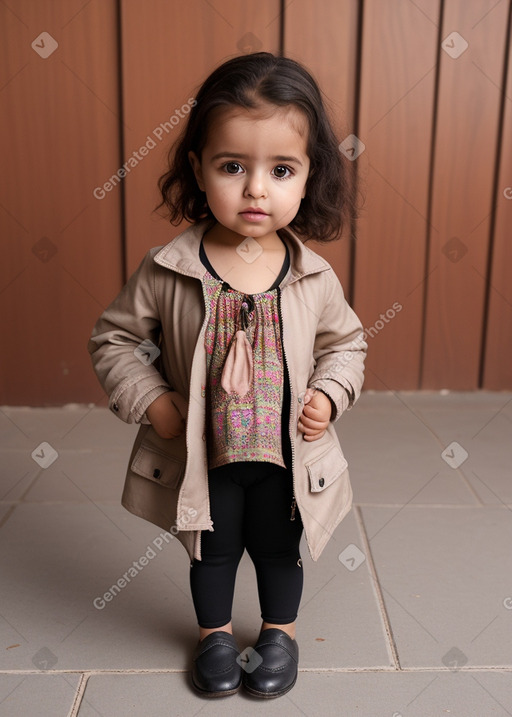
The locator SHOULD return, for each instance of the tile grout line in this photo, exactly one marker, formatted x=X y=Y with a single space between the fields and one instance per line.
x=85 y=675
x=380 y=598
x=79 y=695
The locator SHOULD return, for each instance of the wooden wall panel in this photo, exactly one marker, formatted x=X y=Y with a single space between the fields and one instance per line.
x=399 y=54
x=324 y=39
x=498 y=349
x=169 y=48
x=61 y=252
x=465 y=149
x=432 y=238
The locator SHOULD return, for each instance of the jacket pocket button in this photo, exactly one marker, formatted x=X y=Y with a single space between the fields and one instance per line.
x=156 y=473
x=321 y=482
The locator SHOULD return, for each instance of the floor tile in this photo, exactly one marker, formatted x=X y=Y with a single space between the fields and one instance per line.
x=445 y=578
x=48 y=695
x=395 y=694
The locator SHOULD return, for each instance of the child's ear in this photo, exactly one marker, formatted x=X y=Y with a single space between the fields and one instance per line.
x=196 y=166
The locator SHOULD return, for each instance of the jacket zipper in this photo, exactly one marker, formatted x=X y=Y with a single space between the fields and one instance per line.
x=201 y=338
x=294 y=501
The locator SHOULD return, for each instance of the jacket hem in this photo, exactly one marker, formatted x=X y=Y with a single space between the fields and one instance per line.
x=320 y=545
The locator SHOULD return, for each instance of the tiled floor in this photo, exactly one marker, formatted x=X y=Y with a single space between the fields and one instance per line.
x=418 y=625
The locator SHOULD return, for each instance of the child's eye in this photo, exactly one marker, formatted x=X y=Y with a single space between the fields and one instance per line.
x=232 y=168
x=281 y=172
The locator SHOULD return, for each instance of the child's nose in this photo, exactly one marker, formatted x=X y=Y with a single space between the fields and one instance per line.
x=256 y=186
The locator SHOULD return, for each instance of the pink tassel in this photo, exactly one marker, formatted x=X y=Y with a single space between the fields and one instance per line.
x=237 y=374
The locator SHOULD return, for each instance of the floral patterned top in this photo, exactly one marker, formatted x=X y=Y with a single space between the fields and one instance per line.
x=244 y=428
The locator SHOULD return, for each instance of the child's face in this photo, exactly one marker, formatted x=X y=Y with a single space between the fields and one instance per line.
x=254 y=160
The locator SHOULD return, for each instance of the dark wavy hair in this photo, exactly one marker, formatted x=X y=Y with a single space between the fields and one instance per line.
x=248 y=81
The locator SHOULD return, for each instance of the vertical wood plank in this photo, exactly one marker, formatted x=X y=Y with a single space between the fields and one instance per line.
x=466 y=127
x=168 y=50
x=60 y=246
x=397 y=90
x=497 y=372
x=326 y=43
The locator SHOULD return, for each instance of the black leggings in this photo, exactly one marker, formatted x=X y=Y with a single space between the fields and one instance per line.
x=250 y=505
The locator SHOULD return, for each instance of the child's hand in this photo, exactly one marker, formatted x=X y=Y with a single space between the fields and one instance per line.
x=164 y=415
x=315 y=415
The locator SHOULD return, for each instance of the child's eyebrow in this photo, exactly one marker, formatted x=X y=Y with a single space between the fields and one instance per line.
x=275 y=158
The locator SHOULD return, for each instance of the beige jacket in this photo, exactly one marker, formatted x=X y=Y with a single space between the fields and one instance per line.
x=162 y=303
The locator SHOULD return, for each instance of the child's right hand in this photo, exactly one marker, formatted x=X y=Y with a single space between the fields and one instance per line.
x=164 y=415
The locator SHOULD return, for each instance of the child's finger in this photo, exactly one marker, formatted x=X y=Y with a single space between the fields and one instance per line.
x=313 y=438
x=310 y=426
x=307 y=421
x=310 y=392
x=314 y=414
x=313 y=434
x=311 y=410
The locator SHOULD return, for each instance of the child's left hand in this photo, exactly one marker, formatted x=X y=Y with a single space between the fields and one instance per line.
x=315 y=415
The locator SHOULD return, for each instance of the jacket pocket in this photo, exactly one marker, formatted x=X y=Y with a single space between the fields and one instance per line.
x=325 y=469
x=157 y=466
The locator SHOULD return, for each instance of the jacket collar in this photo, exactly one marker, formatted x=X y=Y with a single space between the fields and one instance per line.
x=182 y=254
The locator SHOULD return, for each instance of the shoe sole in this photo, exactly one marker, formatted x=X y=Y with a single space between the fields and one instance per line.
x=222 y=693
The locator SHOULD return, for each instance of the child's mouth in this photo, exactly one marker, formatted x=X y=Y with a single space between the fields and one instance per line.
x=253 y=215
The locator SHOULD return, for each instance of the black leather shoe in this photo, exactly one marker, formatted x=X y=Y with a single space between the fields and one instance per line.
x=215 y=671
x=277 y=673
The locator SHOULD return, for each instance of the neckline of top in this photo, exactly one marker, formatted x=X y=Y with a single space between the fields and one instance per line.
x=225 y=285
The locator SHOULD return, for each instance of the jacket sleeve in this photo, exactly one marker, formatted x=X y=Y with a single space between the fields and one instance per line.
x=124 y=368
x=339 y=351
